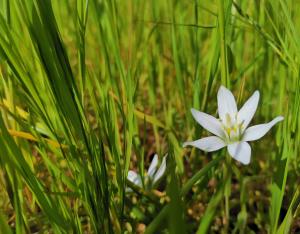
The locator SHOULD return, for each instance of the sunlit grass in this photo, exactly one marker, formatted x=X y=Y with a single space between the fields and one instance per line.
x=93 y=89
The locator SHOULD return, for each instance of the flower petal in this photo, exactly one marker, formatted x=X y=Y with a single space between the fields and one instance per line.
x=161 y=170
x=240 y=151
x=134 y=178
x=131 y=175
x=208 y=122
x=226 y=103
x=247 y=112
x=258 y=131
x=152 y=167
x=207 y=144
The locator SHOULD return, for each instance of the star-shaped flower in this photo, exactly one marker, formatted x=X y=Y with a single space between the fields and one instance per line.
x=231 y=129
x=153 y=174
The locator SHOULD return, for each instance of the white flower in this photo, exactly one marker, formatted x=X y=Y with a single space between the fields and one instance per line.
x=153 y=173
x=231 y=129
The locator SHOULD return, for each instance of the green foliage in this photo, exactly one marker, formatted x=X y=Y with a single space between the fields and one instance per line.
x=91 y=88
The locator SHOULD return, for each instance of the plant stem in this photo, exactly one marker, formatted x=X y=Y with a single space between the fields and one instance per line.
x=224 y=62
x=227 y=182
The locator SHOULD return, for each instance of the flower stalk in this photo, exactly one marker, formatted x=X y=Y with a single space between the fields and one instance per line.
x=227 y=190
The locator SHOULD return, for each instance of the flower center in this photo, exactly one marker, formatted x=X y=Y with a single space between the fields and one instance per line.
x=232 y=128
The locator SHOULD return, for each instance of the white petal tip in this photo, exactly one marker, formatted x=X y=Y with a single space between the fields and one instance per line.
x=240 y=151
x=280 y=118
x=193 y=110
x=245 y=162
x=242 y=161
x=222 y=89
x=194 y=113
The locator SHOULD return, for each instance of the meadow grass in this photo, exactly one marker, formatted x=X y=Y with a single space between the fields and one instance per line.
x=93 y=88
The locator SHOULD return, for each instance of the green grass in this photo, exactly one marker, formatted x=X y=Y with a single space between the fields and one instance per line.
x=91 y=89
